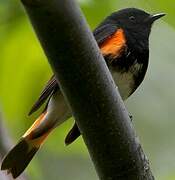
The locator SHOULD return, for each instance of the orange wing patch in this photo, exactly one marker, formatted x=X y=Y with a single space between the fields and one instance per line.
x=114 y=44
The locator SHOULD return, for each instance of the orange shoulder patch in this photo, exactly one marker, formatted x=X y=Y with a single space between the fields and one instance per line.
x=114 y=44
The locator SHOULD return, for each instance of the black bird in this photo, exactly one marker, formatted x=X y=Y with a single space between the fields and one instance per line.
x=123 y=38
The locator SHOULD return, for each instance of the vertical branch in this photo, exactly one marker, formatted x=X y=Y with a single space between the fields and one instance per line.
x=89 y=89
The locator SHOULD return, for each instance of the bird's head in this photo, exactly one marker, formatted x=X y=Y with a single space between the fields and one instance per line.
x=135 y=23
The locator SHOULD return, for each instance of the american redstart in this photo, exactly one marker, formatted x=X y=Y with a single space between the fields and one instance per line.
x=123 y=38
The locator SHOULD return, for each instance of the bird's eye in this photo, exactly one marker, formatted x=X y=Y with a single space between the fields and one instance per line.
x=132 y=18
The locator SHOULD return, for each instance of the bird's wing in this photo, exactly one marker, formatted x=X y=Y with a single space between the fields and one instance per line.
x=111 y=41
x=48 y=90
x=102 y=34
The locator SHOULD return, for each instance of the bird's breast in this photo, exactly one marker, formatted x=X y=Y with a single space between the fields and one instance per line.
x=127 y=80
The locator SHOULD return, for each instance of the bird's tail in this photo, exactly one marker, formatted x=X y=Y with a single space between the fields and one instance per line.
x=22 y=153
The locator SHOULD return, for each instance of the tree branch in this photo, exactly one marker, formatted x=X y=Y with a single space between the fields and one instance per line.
x=89 y=89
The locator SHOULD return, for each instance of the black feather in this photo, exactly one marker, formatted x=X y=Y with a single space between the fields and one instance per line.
x=18 y=158
x=103 y=32
x=73 y=134
x=50 y=87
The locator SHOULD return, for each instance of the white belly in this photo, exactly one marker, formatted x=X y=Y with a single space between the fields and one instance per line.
x=126 y=80
x=125 y=83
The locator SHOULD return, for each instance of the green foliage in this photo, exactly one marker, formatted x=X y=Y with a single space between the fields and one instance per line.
x=24 y=71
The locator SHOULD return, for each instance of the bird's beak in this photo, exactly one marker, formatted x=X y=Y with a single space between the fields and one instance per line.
x=156 y=16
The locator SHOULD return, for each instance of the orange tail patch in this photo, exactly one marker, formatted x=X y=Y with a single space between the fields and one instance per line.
x=35 y=124
x=22 y=153
x=37 y=142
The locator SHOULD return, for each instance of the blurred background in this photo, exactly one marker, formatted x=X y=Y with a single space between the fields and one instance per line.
x=24 y=71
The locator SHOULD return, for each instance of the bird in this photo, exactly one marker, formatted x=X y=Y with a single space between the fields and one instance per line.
x=123 y=39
